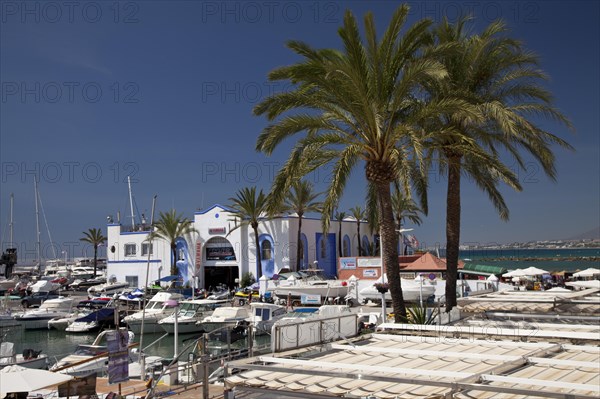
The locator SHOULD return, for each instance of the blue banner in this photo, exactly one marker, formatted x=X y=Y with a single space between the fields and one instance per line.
x=117 y=343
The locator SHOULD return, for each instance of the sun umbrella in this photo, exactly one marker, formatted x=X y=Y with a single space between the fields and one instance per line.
x=21 y=379
x=514 y=273
x=534 y=271
x=590 y=272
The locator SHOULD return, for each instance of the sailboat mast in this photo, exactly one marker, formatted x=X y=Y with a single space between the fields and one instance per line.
x=131 y=203
x=10 y=226
x=38 y=244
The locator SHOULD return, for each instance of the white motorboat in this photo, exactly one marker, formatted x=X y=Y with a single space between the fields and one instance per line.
x=108 y=289
x=155 y=310
x=226 y=316
x=313 y=285
x=263 y=315
x=94 y=321
x=96 y=364
x=83 y=308
x=188 y=314
x=38 y=318
x=29 y=358
x=412 y=291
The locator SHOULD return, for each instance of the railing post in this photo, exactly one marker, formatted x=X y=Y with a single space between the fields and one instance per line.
x=204 y=359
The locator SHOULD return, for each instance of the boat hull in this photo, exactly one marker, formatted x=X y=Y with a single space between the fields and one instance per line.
x=410 y=294
x=183 y=327
x=323 y=291
x=150 y=326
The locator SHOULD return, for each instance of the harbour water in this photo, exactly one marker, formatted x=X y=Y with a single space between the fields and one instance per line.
x=57 y=344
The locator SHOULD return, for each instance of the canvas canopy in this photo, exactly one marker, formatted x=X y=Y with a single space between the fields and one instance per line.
x=20 y=379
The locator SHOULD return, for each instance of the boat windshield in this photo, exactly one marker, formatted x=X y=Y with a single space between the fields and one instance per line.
x=154 y=305
x=190 y=309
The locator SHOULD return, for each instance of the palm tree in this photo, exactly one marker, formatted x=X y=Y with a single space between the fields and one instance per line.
x=301 y=199
x=502 y=82
x=96 y=238
x=362 y=108
x=405 y=208
x=339 y=216
x=248 y=206
x=358 y=214
x=171 y=226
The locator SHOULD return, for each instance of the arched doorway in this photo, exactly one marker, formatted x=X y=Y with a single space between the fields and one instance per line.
x=220 y=263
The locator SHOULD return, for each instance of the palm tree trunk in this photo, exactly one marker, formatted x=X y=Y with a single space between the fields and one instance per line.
x=358 y=236
x=390 y=249
x=95 y=258
x=258 y=254
x=299 y=251
x=452 y=230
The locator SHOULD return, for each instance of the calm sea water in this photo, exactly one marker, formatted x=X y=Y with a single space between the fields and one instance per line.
x=57 y=344
x=549 y=259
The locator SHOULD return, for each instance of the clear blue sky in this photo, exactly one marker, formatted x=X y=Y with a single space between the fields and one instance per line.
x=164 y=91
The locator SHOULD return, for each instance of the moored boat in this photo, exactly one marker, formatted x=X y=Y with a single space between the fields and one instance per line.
x=72 y=364
x=188 y=314
x=38 y=318
x=29 y=358
x=226 y=316
x=155 y=310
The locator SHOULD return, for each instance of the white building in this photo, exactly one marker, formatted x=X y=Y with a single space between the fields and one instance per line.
x=220 y=253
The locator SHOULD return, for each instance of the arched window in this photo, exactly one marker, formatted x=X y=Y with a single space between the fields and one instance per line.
x=301 y=252
x=346 y=246
x=266 y=250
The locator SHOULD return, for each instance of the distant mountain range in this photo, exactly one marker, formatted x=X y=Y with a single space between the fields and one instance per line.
x=588 y=235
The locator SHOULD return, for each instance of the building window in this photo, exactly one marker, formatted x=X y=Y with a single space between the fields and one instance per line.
x=129 y=249
x=146 y=247
x=346 y=246
x=323 y=247
x=266 y=250
x=132 y=281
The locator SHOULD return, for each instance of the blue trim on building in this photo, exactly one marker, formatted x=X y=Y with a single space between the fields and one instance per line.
x=135 y=261
x=127 y=233
x=225 y=208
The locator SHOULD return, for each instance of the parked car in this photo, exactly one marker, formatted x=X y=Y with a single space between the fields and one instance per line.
x=37 y=298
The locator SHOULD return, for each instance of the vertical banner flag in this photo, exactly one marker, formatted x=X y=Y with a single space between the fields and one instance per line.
x=117 y=342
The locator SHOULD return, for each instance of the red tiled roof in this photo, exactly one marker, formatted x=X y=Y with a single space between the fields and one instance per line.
x=425 y=262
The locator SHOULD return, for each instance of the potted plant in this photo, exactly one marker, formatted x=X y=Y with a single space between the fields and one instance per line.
x=382 y=287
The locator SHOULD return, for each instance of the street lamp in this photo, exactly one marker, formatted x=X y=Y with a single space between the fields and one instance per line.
x=420 y=277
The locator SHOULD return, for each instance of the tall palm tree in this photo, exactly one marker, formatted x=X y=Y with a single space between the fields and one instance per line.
x=95 y=237
x=339 y=217
x=502 y=82
x=363 y=108
x=170 y=226
x=358 y=214
x=404 y=208
x=249 y=206
x=301 y=199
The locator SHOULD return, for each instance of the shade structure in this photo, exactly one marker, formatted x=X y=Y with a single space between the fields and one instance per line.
x=21 y=379
x=589 y=272
x=584 y=284
x=534 y=271
x=514 y=273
